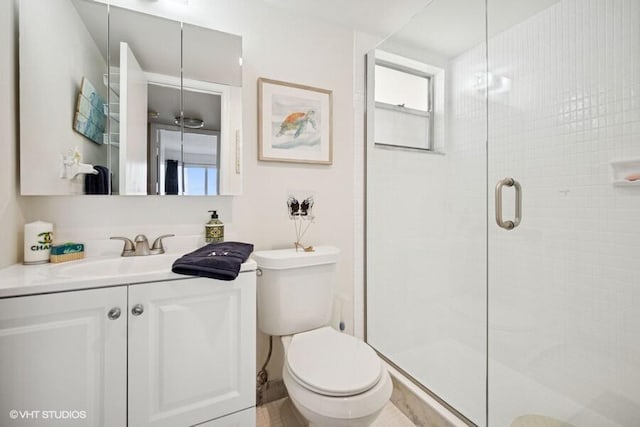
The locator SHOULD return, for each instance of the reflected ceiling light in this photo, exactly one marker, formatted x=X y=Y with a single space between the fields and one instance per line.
x=190 y=123
x=240 y=61
x=492 y=82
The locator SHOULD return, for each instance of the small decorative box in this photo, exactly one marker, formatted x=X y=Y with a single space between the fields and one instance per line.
x=67 y=252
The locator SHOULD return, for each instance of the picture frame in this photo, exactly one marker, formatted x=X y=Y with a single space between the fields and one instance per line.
x=295 y=123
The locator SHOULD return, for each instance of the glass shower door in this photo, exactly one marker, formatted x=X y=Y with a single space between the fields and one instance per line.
x=563 y=290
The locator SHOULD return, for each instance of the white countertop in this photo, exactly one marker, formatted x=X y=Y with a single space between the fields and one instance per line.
x=92 y=272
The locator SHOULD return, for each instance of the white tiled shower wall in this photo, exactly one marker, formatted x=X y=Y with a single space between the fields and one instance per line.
x=563 y=287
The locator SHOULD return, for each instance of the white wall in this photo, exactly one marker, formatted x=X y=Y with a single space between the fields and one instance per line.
x=50 y=88
x=10 y=203
x=279 y=46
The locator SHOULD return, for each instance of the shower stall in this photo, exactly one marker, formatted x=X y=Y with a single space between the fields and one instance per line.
x=503 y=209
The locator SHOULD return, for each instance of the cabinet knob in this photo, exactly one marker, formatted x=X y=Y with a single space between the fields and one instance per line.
x=137 y=310
x=114 y=313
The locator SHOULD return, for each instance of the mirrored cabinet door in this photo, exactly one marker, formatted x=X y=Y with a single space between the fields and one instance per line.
x=115 y=101
x=145 y=55
x=212 y=76
x=63 y=58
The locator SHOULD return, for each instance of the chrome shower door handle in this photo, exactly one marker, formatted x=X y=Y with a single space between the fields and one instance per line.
x=509 y=182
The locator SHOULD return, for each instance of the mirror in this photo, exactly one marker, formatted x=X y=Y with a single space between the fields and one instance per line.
x=186 y=159
x=144 y=53
x=212 y=95
x=58 y=52
x=132 y=104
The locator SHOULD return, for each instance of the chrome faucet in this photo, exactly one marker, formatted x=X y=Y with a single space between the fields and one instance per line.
x=140 y=245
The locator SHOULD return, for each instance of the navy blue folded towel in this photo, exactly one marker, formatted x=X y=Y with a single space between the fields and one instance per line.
x=216 y=260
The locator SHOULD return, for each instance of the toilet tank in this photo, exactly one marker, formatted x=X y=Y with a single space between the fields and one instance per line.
x=295 y=289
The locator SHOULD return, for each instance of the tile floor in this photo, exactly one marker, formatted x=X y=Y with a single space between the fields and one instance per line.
x=281 y=413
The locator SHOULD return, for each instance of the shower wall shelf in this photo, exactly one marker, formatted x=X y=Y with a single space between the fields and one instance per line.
x=620 y=169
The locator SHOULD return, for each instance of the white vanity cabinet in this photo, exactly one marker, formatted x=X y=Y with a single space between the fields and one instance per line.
x=191 y=350
x=62 y=352
x=178 y=353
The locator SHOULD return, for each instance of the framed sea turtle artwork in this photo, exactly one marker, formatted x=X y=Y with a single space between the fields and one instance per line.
x=295 y=123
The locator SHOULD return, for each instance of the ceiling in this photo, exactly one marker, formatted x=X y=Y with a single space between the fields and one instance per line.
x=444 y=27
x=376 y=17
x=157 y=43
x=451 y=27
x=165 y=101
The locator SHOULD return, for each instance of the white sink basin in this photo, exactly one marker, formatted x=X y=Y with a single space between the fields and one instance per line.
x=122 y=266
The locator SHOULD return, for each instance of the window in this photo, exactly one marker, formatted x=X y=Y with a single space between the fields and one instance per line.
x=403 y=106
x=190 y=158
x=200 y=180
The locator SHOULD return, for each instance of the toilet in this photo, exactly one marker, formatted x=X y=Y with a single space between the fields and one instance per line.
x=333 y=379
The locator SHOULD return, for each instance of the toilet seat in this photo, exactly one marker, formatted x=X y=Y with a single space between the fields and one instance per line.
x=331 y=363
x=326 y=410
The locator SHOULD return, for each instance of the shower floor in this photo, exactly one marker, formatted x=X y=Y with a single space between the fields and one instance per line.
x=457 y=376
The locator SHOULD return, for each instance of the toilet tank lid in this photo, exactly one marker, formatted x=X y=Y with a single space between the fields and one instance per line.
x=282 y=259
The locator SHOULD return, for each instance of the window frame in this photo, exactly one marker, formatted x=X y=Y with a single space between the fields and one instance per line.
x=428 y=114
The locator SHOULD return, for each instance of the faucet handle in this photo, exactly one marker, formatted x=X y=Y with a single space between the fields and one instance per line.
x=129 y=246
x=157 y=244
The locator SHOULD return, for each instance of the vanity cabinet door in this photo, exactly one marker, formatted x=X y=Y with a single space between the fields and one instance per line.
x=63 y=359
x=191 y=350
x=244 y=418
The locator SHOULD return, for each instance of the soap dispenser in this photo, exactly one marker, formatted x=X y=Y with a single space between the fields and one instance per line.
x=214 y=229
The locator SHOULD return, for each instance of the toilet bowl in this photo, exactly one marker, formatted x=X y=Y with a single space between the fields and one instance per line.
x=333 y=378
